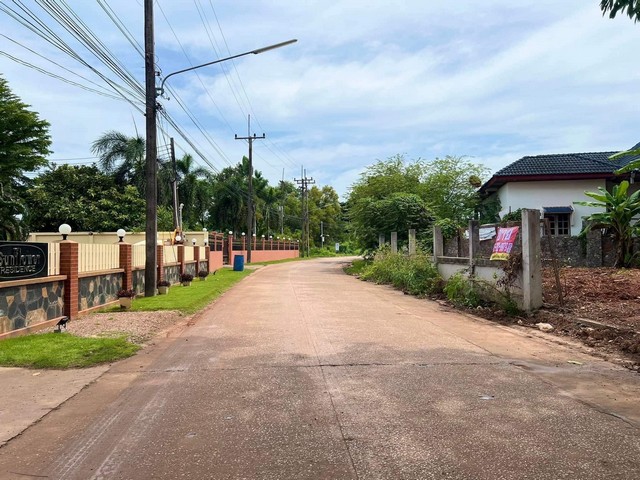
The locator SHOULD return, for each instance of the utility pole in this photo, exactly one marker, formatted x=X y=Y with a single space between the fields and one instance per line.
x=151 y=185
x=304 y=183
x=174 y=187
x=250 y=212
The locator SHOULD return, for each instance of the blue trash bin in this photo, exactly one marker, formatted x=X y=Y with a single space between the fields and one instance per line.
x=238 y=263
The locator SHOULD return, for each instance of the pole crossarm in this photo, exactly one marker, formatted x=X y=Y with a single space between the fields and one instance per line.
x=160 y=90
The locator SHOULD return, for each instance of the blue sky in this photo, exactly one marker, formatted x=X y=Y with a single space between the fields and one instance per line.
x=493 y=80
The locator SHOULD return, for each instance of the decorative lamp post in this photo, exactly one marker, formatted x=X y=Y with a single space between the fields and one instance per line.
x=64 y=229
x=121 y=233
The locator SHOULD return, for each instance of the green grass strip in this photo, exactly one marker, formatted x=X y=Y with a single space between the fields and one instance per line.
x=62 y=350
x=190 y=299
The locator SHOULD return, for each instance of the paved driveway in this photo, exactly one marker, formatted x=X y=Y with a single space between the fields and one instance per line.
x=301 y=372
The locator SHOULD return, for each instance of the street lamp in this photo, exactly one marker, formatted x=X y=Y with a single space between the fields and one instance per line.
x=64 y=229
x=151 y=110
x=121 y=233
x=160 y=90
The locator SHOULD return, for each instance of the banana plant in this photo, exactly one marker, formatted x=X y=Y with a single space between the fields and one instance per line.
x=620 y=218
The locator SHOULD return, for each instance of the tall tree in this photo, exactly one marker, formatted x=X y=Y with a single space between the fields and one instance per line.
x=85 y=198
x=193 y=184
x=122 y=156
x=24 y=144
x=631 y=7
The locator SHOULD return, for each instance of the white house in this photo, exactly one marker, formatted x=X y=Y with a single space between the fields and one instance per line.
x=552 y=183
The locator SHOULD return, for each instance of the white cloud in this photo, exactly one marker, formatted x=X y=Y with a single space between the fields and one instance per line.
x=366 y=80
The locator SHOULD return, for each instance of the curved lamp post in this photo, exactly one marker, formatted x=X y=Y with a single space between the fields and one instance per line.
x=151 y=109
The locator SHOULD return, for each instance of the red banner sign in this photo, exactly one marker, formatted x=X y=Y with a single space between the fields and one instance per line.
x=505 y=239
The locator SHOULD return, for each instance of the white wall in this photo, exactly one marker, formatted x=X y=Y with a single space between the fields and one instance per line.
x=558 y=193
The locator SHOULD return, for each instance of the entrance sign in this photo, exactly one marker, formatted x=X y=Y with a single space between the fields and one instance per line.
x=504 y=243
x=23 y=260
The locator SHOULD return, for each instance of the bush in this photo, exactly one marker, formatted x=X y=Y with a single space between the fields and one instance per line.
x=416 y=275
x=203 y=274
x=126 y=293
x=186 y=277
x=462 y=291
x=164 y=283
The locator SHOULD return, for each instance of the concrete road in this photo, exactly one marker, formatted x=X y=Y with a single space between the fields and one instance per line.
x=301 y=372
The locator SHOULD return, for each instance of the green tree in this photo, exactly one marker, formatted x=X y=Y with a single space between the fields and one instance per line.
x=443 y=190
x=193 y=190
x=122 y=156
x=24 y=144
x=619 y=218
x=85 y=198
x=632 y=8
x=450 y=188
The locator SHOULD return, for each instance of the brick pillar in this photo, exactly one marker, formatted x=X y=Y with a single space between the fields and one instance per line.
x=207 y=257
x=160 y=260
x=126 y=253
x=69 y=267
x=263 y=240
x=230 y=246
x=196 y=257
x=271 y=244
x=244 y=243
x=181 y=258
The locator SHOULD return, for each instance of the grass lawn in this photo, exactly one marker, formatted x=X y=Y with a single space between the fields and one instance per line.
x=62 y=350
x=192 y=298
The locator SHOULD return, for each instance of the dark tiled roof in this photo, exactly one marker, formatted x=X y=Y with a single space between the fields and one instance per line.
x=582 y=165
x=564 y=164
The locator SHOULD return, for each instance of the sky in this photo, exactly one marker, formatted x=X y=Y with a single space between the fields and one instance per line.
x=492 y=80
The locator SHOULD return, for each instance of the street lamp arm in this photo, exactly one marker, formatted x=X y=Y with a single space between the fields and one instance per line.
x=160 y=91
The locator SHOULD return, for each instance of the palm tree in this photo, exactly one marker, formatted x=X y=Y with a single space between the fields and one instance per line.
x=190 y=189
x=614 y=6
x=122 y=156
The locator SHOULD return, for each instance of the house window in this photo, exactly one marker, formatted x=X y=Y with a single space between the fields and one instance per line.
x=559 y=219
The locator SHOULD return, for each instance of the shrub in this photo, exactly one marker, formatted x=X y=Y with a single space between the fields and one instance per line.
x=203 y=274
x=462 y=291
x=126 y=293
x=416 y=275
x=164 y=283
x=186 y=277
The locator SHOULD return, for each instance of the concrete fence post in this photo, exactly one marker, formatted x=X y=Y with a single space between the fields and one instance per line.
x=531 y=260
x=438 y=243
x=126 y=254
x=69 y=268
x=394 y=242
x=474 y=242
x=381 y=240
x=412 y=241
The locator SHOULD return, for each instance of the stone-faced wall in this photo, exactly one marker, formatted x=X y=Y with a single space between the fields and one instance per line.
x=98 y=290
x=191 y=268
x=203 y=266
x=26 y=305
x=172 y=273
x=138 y=280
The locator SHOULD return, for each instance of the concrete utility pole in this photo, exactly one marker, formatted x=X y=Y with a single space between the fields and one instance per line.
x=174 y=187
x=304 y=183
x=151 y=185
x=250 y=212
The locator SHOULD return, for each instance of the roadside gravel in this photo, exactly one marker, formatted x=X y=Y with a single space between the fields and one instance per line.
x=138 y=327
